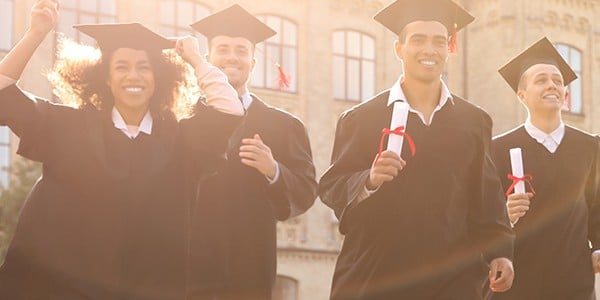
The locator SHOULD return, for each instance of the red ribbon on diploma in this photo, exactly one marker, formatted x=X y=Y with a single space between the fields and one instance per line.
x=398 y=131
x=526 y=178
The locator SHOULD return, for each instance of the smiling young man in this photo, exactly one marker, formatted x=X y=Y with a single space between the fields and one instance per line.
x=269 y=175
x=559 y=216
x=423 y=225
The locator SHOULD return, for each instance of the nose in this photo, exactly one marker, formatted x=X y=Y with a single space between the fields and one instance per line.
x=133 y=74
x=231 y=56
x=553 y=85
x=429 y=48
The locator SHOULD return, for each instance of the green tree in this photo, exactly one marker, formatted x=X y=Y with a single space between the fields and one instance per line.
x=24 y=174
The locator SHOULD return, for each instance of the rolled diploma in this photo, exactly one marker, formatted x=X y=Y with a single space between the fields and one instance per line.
x=516 y=163
x=399 y=117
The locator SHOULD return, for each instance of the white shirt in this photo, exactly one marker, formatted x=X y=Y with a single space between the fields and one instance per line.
x=247 y=99
x=397 y=94
x=130 y=130
x=550 y=141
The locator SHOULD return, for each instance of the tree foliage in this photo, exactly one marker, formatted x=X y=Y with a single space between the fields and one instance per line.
x=24 y=173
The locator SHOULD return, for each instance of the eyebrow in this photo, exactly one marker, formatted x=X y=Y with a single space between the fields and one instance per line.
x=547 y=75
x=422 y=35
x=125 y=62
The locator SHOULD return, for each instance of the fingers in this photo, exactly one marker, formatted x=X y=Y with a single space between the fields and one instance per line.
x=256 y=141
x=517 y=206
x=44 y=15
x=384 y=169
x=254 y=148
x=49 y=6
x=389 y=158
x=501 y=275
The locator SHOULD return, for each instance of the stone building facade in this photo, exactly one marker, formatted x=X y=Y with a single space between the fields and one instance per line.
x=336 y=56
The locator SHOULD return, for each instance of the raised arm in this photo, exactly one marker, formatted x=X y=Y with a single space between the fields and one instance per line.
x=43 y=18
x=220 y=95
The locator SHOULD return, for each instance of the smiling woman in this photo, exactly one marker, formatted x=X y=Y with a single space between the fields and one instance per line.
x=108 y=218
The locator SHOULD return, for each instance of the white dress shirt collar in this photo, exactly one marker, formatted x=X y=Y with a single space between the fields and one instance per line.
x=550 y=141
x=132 y=131
x=397 y=94
x=246 y=100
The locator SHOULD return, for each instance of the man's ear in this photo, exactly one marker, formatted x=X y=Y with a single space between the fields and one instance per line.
x=521 y=95
x=398 y=49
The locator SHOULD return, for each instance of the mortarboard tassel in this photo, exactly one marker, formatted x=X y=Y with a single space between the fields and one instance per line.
x=453 y=43
x=284 y=79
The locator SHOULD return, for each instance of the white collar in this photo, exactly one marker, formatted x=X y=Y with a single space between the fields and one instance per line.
x=537 y=134
x=396 y=93
x=246 y=100
x=131 y=131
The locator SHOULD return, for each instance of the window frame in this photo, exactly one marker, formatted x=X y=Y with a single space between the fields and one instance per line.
x=570 y=52
x=80 y=13
x=9 y=25
x=361 y=58
x=269 y=63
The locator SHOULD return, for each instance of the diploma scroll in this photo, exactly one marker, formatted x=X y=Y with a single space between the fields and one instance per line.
x=399 y=118
x=516 y=163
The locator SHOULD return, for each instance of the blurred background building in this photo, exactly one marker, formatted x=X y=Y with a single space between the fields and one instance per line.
x=336 y=57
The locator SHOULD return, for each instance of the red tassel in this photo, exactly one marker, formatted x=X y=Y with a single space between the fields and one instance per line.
x=453 y=43
x=284 y=79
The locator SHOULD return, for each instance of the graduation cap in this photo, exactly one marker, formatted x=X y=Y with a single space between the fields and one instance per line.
x=234 y=21
x=399 y=13
x=542 y=52
x=125 y=35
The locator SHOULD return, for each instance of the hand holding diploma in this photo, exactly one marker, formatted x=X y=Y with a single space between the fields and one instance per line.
x=388 y=163
x=517 y=203
x=385 y=168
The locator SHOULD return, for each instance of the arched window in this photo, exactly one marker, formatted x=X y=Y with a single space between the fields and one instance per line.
x=282 y=49
x=573 y=58
x=85 y=12
x=177 y=15
x=4 y=156
x=6 y=24
x=353 y=65
x=286 y=288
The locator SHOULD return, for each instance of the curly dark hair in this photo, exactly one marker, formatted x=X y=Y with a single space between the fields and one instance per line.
x=80 y=72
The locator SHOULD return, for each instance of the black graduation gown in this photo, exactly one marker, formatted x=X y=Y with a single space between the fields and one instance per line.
x=552 y=252
x=108 y=218
x=241 y=209
x=421 y=235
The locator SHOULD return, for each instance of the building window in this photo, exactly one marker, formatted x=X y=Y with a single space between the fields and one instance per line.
x=176 y=16
x=85 y=12
x=6 y=24
x=573 y=57
x=353 y=65
x=286 y=288
x=281 y=49
x=4 y=156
